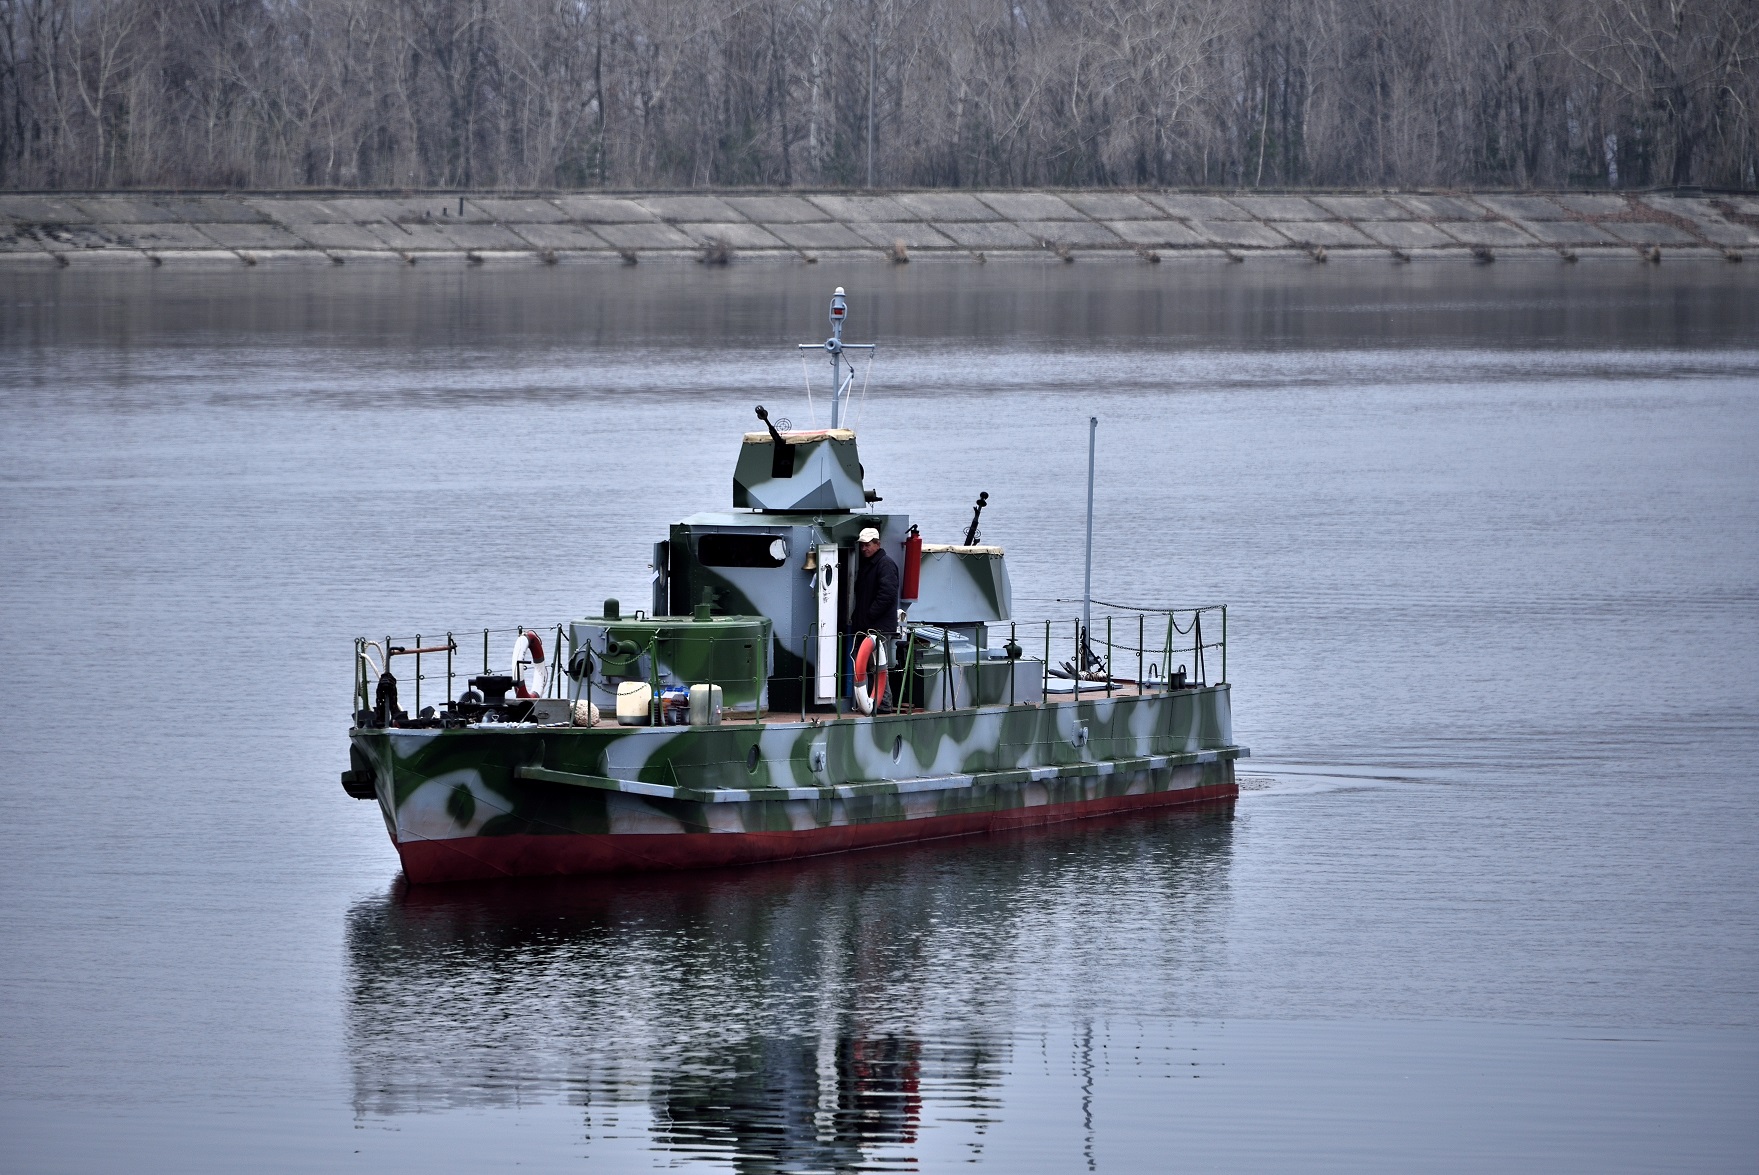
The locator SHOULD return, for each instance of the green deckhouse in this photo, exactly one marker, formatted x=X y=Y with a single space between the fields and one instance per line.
x=738 y=718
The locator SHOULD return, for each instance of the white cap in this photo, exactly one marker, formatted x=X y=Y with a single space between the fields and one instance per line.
x=868 y=535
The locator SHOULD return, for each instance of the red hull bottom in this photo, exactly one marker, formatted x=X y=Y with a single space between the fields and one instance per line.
x=476 y=858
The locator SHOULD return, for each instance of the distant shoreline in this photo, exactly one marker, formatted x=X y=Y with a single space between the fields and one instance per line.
x=737 y=226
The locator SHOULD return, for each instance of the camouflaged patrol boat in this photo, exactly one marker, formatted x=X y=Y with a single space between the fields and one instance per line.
x=737 y=720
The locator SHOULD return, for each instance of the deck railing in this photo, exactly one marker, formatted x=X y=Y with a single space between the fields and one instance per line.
x=1149 y=647
x=449 y=657
x=453 y=658
x=1141 y=649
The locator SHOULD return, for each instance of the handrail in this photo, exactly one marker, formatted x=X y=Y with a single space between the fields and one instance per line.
x=371 y=661
x=1086 y=667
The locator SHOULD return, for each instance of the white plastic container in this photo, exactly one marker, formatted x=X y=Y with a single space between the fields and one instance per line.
x=705 y=705
x=634 y=703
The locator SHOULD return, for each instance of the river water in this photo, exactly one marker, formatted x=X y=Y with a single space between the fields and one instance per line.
x=1489 y=900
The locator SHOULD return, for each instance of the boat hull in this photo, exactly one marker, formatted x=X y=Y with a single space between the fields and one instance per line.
x=484 y=857
x=545 y=801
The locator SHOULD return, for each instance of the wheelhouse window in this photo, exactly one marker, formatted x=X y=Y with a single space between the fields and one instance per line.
x=741 y=550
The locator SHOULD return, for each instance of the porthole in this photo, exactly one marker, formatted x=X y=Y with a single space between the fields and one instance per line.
x=897 y=748
x=751 y=759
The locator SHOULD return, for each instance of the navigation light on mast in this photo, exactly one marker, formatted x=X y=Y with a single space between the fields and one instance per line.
x=836 y=346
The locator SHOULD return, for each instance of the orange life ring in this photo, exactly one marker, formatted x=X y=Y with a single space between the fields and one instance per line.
x=529 y=648
x=870 y=650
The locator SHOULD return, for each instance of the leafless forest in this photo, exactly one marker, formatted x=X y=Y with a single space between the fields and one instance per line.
x=890 y=93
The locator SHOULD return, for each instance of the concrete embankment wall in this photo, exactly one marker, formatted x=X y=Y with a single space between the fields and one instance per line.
x=159 y=228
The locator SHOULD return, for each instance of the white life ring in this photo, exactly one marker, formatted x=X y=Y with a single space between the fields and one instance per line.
x=872 y=651
x=528 y=654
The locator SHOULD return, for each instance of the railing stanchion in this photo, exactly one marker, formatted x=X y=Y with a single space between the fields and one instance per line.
x=1108 y=656
x=450 y=646
x=1166 y=656
x=485 y=650
x=1044 y=693
x=1141 y=629
x=418 y=675
x=949 y=695
x=904 y=682
x=1013 y=643
x=1224 y=643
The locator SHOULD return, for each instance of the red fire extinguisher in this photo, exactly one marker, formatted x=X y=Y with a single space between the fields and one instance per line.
x=912 y=565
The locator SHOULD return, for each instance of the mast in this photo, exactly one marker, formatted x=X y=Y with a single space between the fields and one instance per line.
x=1087 y=581
x=835 y=346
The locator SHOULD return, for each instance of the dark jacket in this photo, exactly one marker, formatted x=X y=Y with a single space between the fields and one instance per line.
x=876 y=595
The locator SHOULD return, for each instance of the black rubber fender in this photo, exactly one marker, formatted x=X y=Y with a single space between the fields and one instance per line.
x=357 y=781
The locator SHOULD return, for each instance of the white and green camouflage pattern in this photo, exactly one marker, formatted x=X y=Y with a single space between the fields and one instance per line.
x=792 y=775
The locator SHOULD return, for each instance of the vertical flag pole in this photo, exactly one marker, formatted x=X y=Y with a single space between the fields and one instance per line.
x=1087 y=582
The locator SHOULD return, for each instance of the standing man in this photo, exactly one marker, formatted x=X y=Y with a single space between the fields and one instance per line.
x=876 y=594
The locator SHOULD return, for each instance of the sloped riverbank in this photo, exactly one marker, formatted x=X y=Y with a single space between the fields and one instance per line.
x=439 y=228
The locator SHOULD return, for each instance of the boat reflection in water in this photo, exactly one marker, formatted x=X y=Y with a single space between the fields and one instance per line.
x=801 y=1103
x=788 y=1017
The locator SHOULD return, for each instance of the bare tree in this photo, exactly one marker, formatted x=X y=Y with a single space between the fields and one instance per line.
x=1679 y=65
x=102 y=50
x=842 y=93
